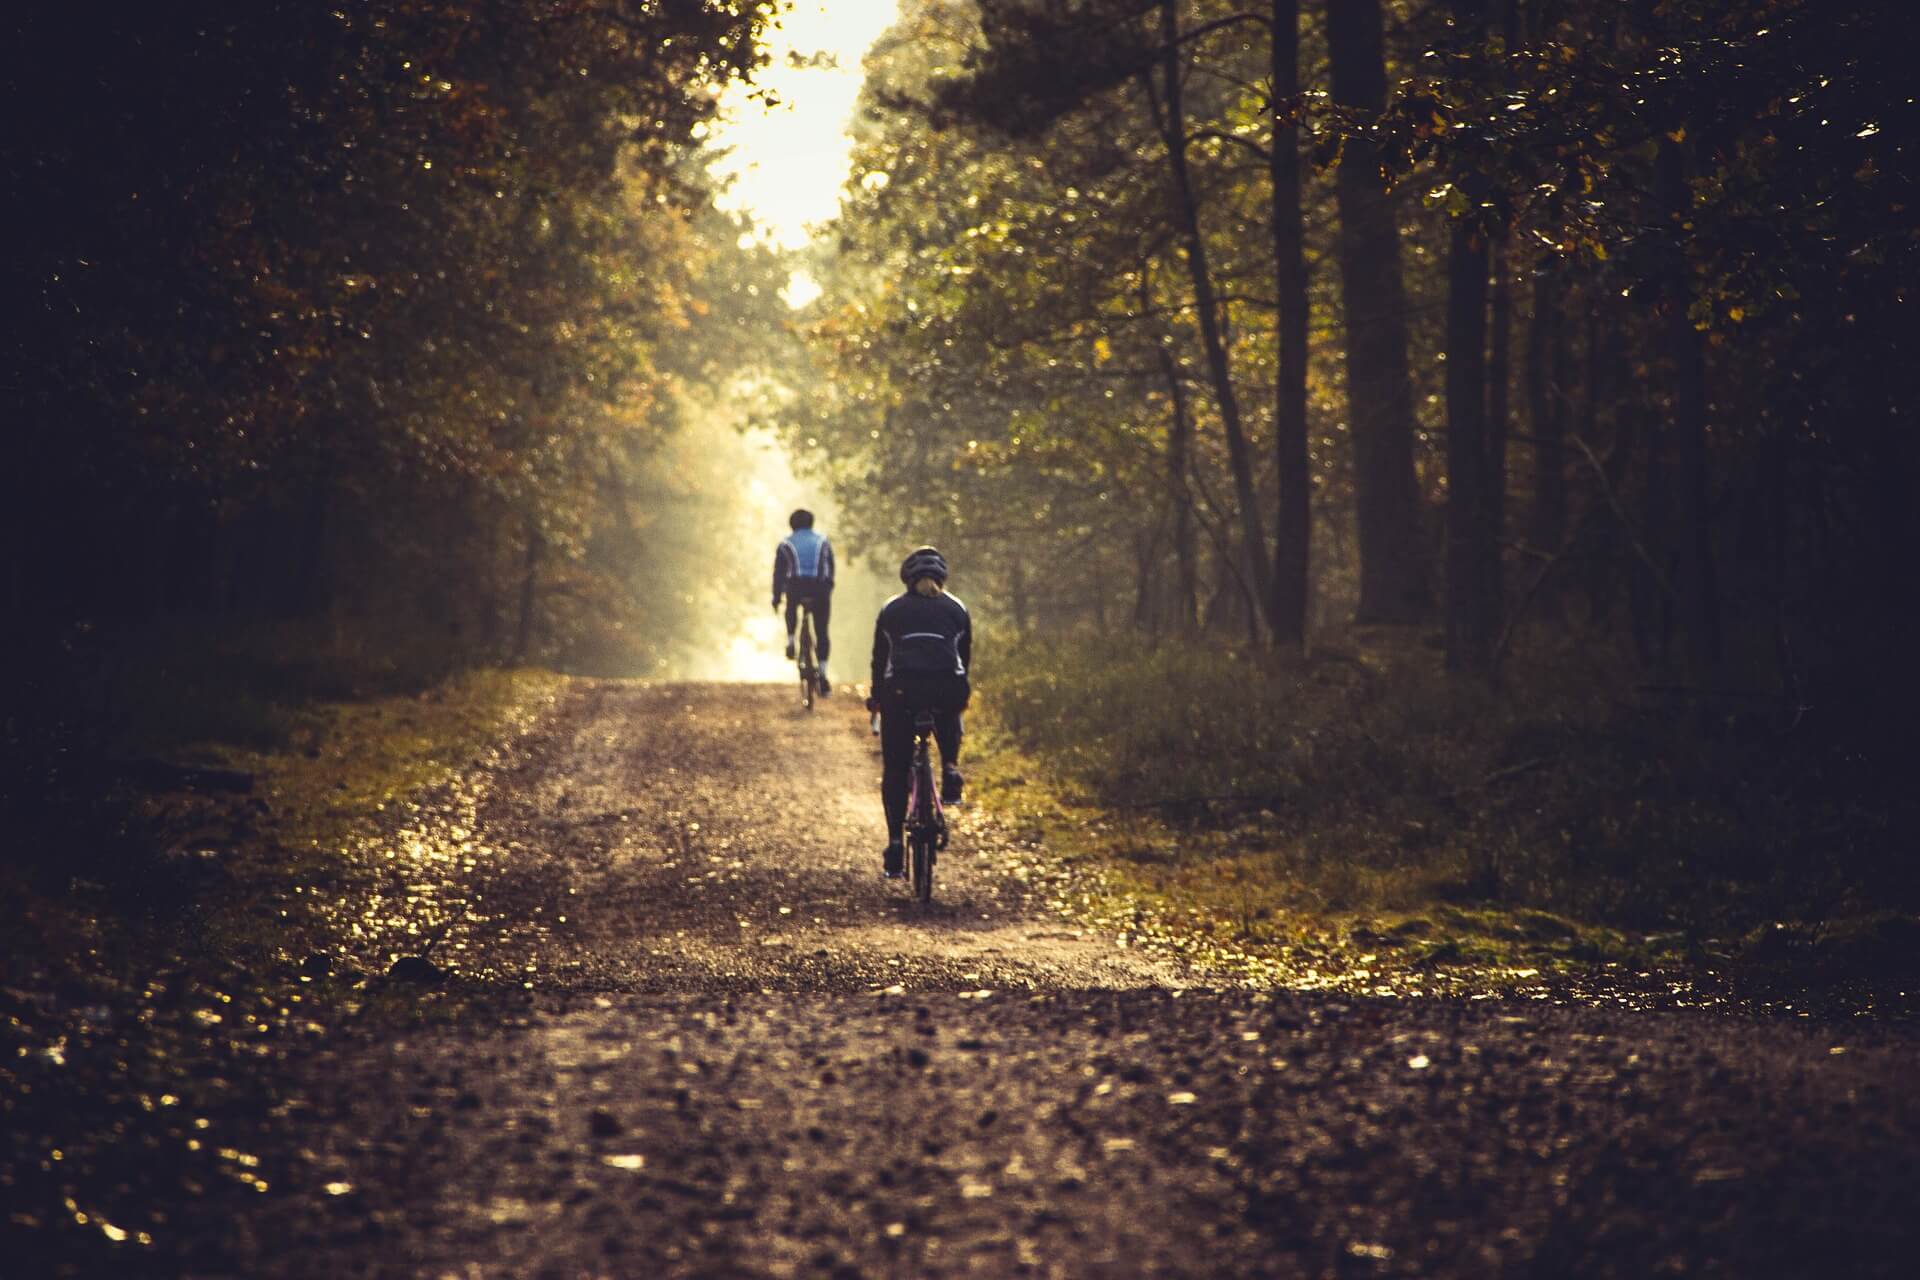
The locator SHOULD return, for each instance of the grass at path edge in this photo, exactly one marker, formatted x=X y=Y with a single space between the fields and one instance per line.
x=152 y=995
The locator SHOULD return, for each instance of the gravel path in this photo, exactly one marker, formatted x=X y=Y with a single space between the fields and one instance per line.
x=703 y=1038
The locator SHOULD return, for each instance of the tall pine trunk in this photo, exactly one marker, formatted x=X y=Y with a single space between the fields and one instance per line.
x=1173 y=126
x=1472 y=552
x=529 y=592
x=1294 y=521
x=1499 y=380
x=1393 y=567
x=1546 y=411
x=1697 y=583
x=1179 y=450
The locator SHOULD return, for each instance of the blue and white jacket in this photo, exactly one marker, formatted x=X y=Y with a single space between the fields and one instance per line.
x=803 y=562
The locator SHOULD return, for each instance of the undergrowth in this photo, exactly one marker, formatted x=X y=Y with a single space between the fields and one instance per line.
x=1365 y=785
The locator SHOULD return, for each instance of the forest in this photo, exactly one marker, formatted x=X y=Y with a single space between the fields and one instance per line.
x=358 y=333
x=1433 y=487
x=1359 y=401
x=1470 y=313
x=1468 y=441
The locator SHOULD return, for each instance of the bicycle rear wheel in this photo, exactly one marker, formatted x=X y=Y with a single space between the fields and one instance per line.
x=923 y=866
x=809 y=673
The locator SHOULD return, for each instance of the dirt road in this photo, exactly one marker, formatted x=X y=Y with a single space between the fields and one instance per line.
x=704 y=1038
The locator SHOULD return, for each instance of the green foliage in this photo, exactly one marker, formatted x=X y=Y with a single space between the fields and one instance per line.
x=1005 y=327
x=1006 y=316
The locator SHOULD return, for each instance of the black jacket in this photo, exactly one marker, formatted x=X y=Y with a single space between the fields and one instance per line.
x=921 y=636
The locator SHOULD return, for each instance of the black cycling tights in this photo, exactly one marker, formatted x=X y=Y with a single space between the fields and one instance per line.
x=821 y=603
x=896 y=758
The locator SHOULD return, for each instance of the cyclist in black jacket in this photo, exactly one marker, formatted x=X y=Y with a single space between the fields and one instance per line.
x=922 y=650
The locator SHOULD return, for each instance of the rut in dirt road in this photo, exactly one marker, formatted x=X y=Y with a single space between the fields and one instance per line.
x=734 y=1051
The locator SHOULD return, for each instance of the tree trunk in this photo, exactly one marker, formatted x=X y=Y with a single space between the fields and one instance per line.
x=1546 y=413
x=1179 y=453
x=1017 y=588
x=1146 y=614
x=1393 y=568
x=1173 y=124
x=1499 y=382
x=1594 y=377
x=529 y=592
x=1696 y=581
x=1226 y=588
x=312 y=595
x=1472 y=553
x=1473 y=550
x=1294 y=521
x=1653 y=607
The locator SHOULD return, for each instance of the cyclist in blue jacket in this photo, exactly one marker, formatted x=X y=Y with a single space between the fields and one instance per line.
x=803 y=572
x=922 y=650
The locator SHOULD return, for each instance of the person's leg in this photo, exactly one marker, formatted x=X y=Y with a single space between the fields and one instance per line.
x=821 y=602
x=896 y=769
x=822 y=613
x=948 y=732
x=793 y=619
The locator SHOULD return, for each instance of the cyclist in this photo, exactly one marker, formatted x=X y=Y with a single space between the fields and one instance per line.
x=922 y=649
x=803 y=572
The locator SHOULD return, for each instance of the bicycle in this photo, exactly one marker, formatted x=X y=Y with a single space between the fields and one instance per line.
x=809 y=669
x=926 y=825
x=926 y=819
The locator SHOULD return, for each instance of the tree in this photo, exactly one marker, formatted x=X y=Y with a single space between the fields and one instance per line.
x=1393 y=569
x=324 y=308
x=1170 y=115
x=1294 y=522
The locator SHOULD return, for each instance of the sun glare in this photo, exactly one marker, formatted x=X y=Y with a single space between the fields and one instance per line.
x=787 y=158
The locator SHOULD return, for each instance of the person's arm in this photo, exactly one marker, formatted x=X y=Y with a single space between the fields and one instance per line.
x=965 y=641
x=779 y=573
x=881 y=644
x=826 y=563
